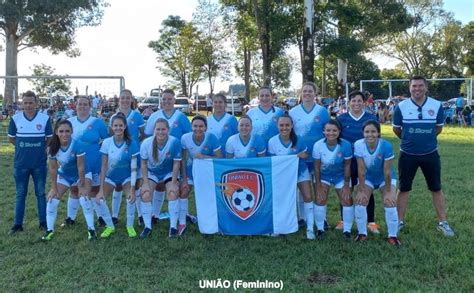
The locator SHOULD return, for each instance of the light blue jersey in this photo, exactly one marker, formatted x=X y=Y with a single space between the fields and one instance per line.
x=135 y=121
x=264 y=123
x=222 y=128
x=207 y=147
x=276 y=147
x=178 y=122
x=309 y=125
x=254 y=147
x=67 y=161
x=374 y=160
x=119 y=158
x=90 y=133
x=167 y=154
x=332 y=158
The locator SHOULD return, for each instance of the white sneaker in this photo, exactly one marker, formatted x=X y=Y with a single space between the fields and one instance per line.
x=446 y=229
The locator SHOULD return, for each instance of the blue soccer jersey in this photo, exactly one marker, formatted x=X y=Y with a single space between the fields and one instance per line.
x=255 y=146
x=332 y=158
x=178 y=122
x=309 y=125
x=418 y=124
x=30 y=139
x=374 y=160
x=207 y=147
x=222 y=128
x=119 y=157
x=167 y=154
x=264 y=123
x=135 y=121
x=276 y=147
x=67 y=160
x=352 y=126
x=90 y=133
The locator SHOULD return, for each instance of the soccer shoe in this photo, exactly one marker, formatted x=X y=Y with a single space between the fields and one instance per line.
x=91 y=235
x=394 y=241
x=101 y=222
x=401 y=225
x=340 y=225
x=347 y=235
x=140 y=221
x=192 y=219
x=68 y=222
x=445 y=229
x=145 y=233
x=114 y=220
x=310 y=235
x=48 y=236
x=131 y=232
x=320 y=235
x=15 y=229
x=173 y=233
x=374 y=228
x=301 y=223
x=154 y=220
x=181 y=229
x=107 y=232
x=361 y=238
x=43 y=226
x=326 y=225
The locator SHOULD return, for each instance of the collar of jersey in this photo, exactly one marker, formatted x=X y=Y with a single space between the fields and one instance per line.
x=34 y=116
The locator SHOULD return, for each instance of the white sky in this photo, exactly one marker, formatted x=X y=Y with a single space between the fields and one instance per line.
x=119 y=45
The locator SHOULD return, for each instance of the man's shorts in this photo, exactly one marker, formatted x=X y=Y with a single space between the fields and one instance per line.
x=430 y=165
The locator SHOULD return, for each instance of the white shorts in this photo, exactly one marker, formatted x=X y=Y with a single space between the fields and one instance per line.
x=160 y=179
x=337 y=185
x=114 y=184
x=378 y=186
x=304 y=176
x=63 y=181
x=94 y=178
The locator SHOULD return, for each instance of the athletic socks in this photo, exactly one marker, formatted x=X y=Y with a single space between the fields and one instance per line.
x=183 y=210
x=391 y=218
x=301 y=208
x=72 y=207
x=103 y=210
x=309 y=210
x=174 y=210
x=320 y=216
x=116 y=202
x=361 y=219
x=88 y=211
x=347 y=218
x=138 y=201
x=158 y=199
x=51 y=213
x=146 y=214
x=130 y=214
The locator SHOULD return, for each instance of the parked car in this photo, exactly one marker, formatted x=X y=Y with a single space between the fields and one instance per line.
x=253 y=104
x=234 y=105
x=291 y=102
x=182 y=104
x=154 y=102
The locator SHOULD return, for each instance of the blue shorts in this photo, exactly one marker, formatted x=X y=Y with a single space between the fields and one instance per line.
x=337 y=181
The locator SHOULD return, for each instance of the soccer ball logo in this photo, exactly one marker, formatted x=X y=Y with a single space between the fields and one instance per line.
x=243 y=199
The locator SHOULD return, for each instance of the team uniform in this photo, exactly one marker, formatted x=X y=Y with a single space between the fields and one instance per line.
x=254 y=147
x=222 y=128
x=162 y=169
x=264 y=124
x=68 y=174
x=332 y=161
x=119 y=159
x=135 y=121
x=276 y=147
x=178 y=122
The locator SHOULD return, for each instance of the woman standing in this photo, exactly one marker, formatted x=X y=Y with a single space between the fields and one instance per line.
x=220 y=123
x=244 y=144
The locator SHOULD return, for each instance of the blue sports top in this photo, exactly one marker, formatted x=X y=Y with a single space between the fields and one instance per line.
x=264 y=123
x=67 y=160
x=134 y=122
x=167 y=154
x=374 y=160
x=119 y=158
x=222 y=128
x=255 y=146
x=332 y=159
x=178 y=122
x=352 y=127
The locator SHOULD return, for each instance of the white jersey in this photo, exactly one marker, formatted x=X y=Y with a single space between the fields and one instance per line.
x=264 y=123
x=208 y=146
x=332 y=158
x=119 y=158
x=222 y=128
x=169 y=153
x=374 y=160
x=255 y=146
x=67 y=160
x=178 y=122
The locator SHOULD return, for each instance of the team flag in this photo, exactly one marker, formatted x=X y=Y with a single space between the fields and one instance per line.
x=250 y=196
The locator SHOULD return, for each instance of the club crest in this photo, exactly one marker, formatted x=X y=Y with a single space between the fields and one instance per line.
x=431 y=112
x=39 y=126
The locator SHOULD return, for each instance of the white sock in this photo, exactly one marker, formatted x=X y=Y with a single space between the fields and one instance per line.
x=138 y=202
x=302 y=212
x=320 y=216
x=72 y=207
x=88 y=211
x=146 y=214
x=361 y=218
x=391 y=218
x=309 y=210
x=105 y=212
x=116 y=202
x=130 y=214
x=183 y=210
x=158 y=199
x=96 y=208
x=173 y=207
x=51 y=213
x=348 y=217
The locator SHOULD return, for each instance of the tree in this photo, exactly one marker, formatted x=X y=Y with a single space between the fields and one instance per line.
x=47 y=24
x=44 y=87
x=468 y=38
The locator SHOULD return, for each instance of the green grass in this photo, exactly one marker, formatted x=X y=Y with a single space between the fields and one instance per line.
x=426 y=262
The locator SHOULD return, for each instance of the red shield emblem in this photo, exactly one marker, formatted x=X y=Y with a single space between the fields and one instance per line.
x=89 y=126
x=317 y=118
x=243 y=192
x=39 y=126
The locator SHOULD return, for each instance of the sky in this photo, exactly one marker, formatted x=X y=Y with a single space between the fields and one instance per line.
x=119 y=46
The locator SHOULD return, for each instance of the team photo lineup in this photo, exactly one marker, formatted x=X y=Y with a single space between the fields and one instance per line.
x=94 y=165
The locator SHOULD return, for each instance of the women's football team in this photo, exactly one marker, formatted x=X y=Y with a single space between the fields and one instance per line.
x=147 y=161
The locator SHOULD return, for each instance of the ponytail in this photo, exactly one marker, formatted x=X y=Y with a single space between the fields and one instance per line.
x=155 y=143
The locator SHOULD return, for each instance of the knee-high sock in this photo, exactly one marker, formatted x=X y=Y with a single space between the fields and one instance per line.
x=96 y=208
x=361 y=218
x=130 y=214
x=146 y=213
x=348 y=217
x=116 y=202
x=105 y=212
x=301 y=208
x=88 y=211
x=173 y=206
x=72 y=207
x=138 y=202
x=391 y=218
x=158 y=199
x=183 y=210
x=320 y=216
x=309 y=210
x=51 y=213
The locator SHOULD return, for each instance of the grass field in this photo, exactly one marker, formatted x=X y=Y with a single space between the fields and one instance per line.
x=426 y=262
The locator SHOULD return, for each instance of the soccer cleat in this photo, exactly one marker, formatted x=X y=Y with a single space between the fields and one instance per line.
x=347 y=235
x=446 y=229
x=140 y=221
x=340 y=225
x=114 y=220
x=401 y=225
x=91 y=235
x=361 y=238
x=43 y=226
x=68 y=222
x=310 y=235
x=181 y=229
x=145 y=233
x=394 y=241
x=107 y=232
x=154 y=220
x=131 y=232
x=101 y=222
x=374 y=228
x=301 y=223
x=16 y=228
x=326 y=225
x=320 y=235
x=173 y=233
x=192 y=219
x=48 y=236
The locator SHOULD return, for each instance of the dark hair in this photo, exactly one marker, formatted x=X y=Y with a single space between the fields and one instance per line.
x=155 y=143
x=126 y=91
x=132 y=106
x=55 y=143
x=245 y=116
x=199 y=117
x=354 y=94
x=418 y=77
x=76 y=98
x=168 y=91
x=375 y=123
x=271 y=93
x=338 y=125
x=293 y=137
x=30 y=94
x=311 y=84
x=220 y=96
x=126 y=133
